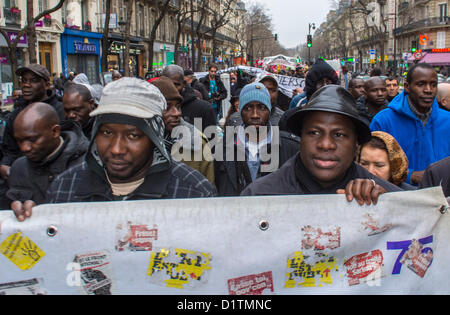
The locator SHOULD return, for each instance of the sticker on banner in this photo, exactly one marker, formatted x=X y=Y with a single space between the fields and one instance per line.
x=372 y=224
x=320 y=239
x=20 y=250
x=417 y=259
x=310 y=274
x=25 y=287
x=252 y=284
x=366 y=267
x=135 y=237
x=96 y=273
x=179 y=268
x=413 y=254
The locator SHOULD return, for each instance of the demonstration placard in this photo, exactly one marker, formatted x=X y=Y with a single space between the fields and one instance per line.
x=312 y=244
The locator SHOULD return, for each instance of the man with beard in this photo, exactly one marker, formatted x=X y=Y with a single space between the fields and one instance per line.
x=391 y=87
x=253 y=149
x=415 y=120
x=35 y=85
x=330 y=131
x=374 y=99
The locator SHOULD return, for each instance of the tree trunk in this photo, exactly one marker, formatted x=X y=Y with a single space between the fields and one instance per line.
x=126 y=53
x=105 y=42
x=31 y=32
x=152 y=38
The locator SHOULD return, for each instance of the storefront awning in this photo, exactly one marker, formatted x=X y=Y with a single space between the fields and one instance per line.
x=436 y=59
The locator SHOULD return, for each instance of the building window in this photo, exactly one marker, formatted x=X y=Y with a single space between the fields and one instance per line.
x=443 y=12
x=42 y=5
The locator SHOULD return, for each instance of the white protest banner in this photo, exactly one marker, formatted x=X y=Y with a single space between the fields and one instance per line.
x=245 y=245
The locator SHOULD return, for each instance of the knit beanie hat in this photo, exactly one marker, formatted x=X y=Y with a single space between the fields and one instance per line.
x=255 y=92
x=319 y=71
x=168 y=89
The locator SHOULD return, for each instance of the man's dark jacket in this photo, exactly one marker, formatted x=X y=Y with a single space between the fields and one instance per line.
x=192 y=108
x=437 y=174
x=293 y=179
x=82 y=184
x=231 y=177
x=361 y=106
x=30 y=180
x=10 y=148
x=195 y=84
x=221 y=90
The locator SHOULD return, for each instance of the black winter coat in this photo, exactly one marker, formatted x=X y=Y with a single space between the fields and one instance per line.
x=437 y=174
x=192 y=108
x=293 y=179
x=30 y=180
x=231 y=177
x=10 y=148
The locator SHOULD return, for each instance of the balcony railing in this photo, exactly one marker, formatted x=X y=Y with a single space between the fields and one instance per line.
x=12 y=16
x=425 y=23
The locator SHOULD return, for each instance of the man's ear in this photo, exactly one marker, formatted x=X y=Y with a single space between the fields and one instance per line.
x=91 y=105
x=406 y=87
x=56 y=131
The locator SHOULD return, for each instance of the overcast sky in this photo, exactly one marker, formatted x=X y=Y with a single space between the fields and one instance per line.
x=291 y=18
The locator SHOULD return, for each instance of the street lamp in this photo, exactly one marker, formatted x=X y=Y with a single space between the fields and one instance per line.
x=122 y=24
x=309 y=44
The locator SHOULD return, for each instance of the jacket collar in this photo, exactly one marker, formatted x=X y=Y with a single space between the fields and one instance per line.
x=153 y=187
x=401 y=105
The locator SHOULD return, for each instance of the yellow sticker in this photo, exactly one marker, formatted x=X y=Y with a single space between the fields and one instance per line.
x=21 y=251
x=314 y=274
x=178 y=268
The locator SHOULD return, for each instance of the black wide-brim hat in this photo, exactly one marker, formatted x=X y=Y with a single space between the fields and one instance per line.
x=331 y=99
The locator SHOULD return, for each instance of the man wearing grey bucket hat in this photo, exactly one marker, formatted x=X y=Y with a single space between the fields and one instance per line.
x=127 y=159
x=330 y=130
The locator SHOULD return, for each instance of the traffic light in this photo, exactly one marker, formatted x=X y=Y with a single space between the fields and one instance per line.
x=413 y=46
x=309 y=41
x=276 y=37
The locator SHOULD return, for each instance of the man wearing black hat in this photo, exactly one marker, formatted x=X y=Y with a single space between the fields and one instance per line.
x=35 y=85
x=191 y=80
x=330 y=131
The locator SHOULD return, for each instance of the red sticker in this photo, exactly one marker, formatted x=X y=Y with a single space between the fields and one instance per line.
x=318 y=239
x=135 y=237
x=251 y=284
x=364 y=267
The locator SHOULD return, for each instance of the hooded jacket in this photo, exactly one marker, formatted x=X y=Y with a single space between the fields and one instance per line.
x=192 y=108
x=9 y=145
x=165 y=179
x=30 y=180
x=423 y=144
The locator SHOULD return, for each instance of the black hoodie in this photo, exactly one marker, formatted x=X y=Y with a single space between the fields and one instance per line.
x=192 y=108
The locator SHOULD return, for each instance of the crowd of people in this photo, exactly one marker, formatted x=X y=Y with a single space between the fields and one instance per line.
x=167 y=137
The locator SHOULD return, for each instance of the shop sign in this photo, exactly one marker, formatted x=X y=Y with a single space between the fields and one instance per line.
x=85 y=48
x=13 y=35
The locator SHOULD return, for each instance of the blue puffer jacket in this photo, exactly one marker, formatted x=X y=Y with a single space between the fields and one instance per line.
x=423 y=145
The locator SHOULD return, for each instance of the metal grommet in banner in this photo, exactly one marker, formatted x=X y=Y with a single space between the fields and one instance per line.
x=443 y=209
x=52 y=230
x=264 y=225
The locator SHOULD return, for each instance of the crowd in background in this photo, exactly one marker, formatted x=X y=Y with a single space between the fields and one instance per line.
x=169 y=136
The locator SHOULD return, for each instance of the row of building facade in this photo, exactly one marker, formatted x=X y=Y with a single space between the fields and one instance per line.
x=69 y=39
x=386 y=33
